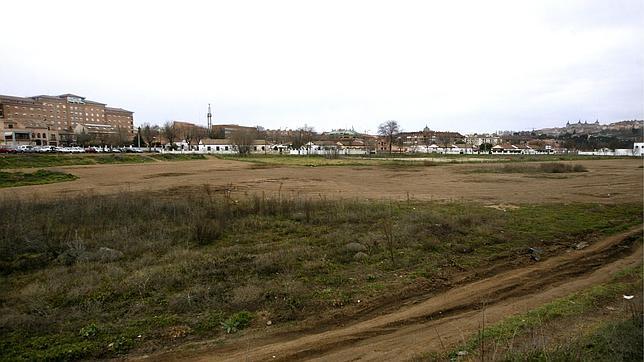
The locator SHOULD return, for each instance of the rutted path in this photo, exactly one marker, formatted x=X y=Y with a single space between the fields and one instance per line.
x=448 y=318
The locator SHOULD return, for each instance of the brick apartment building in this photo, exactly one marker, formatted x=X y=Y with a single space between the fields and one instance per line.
x=54 y=120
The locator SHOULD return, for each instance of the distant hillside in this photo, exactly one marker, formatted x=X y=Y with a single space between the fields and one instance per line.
x=630 y=129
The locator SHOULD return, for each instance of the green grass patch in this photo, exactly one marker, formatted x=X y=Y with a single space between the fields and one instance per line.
x=266 y=161
x=116 y=158
x=576 y=304
x=44 y=160
x=54 y=160
x=611 y=341
x=184 y=267
x=14 y=179
x=177 y=157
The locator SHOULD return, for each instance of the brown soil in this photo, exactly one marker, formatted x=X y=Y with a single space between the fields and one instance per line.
x=439 y=322
x=609 y=181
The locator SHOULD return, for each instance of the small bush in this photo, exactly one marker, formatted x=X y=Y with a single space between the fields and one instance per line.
x=237 y=322
x=89 y=331
x=206 y=231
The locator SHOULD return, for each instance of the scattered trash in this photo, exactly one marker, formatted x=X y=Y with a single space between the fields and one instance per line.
x=268 y=323
x=628 y=297
x=611 y=308
x=461 y=353
x=581 y=245
x=535 y=253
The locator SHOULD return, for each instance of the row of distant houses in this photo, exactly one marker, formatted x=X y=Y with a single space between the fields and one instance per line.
x=347 y=147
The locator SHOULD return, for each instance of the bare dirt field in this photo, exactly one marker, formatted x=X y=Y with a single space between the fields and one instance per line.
x=608 y=181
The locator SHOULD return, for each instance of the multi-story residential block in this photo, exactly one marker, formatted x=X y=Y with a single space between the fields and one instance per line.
x=52 y=120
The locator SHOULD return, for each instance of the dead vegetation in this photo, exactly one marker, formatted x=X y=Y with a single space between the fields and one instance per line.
x=183 y=268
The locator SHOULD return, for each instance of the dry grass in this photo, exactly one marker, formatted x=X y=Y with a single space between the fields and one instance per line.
x=527 y=168
x=190 y=264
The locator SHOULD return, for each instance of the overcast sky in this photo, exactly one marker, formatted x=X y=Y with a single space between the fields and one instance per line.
x=453 y=65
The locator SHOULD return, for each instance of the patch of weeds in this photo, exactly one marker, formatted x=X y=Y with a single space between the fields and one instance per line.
x=14 y=179
x=551 y=167
x=237 y=321
x=612 y=341
x=120 y=158
x=178 y=157
x=570 y=306
x=89 y=331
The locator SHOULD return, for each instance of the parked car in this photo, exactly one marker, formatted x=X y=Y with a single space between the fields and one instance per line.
x=91 y=150
x=46 y=149
x=25 y=149
x=7 y=149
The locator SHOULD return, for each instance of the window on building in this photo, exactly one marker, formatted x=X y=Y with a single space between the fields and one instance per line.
x=217 y=148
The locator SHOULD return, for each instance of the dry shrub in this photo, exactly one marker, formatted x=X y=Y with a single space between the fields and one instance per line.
x=247 y=296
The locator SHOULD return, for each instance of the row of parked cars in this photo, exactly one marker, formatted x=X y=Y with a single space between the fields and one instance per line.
x=72 y=149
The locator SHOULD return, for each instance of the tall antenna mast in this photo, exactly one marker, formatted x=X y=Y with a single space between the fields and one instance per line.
x=209 y=119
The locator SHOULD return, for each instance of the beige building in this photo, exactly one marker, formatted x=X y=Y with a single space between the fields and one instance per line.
x=52 y=120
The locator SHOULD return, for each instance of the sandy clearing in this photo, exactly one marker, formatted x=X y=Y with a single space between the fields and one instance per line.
x=609 y=181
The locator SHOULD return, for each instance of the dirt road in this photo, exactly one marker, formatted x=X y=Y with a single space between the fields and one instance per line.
x=453 y=315
x=608 y=181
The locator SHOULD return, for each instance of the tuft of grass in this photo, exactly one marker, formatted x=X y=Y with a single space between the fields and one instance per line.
x=14 y=179
x=237 y=321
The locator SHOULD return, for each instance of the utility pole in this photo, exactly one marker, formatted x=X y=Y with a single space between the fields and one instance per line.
x=139 y=137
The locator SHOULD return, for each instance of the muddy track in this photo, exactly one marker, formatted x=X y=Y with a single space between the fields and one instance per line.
x=445 y=319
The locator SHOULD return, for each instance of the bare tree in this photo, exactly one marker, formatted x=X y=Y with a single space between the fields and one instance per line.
x=243 y=140
x=193 y=135
x=122 y=136
x=389 y=130
x=302 y=136
x=149 y=133
x=198 y=134
x=84 y=138
x=171 y=133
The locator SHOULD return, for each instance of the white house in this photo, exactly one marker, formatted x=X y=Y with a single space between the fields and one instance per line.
x=219 y=146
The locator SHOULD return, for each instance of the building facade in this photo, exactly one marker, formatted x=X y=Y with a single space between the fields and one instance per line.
x=54 y=120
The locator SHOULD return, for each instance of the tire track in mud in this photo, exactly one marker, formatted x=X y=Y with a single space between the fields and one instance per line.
x=447 y=318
